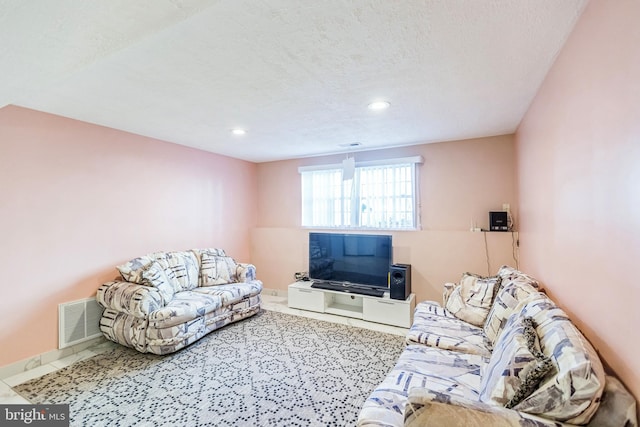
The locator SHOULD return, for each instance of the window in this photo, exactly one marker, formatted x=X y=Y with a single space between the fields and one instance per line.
x=381 y=195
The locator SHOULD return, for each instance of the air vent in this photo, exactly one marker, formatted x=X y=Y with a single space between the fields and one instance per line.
x=78 y=321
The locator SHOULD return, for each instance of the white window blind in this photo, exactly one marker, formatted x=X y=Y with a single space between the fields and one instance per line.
x=380 y=196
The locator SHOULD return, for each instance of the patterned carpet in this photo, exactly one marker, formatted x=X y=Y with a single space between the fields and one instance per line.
x=272 y=369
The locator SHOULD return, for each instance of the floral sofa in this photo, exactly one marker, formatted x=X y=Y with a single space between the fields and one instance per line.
x=498 y=352
x=167 y=300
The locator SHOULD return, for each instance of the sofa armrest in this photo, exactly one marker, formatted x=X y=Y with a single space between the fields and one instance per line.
x=425 y=408
x=245 y=272
x=136 y=300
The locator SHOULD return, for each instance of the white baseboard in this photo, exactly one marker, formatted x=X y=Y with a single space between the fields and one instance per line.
x=275 y=292
x=46 y=358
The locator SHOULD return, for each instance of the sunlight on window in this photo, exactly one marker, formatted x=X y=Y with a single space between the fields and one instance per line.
x=378 y=197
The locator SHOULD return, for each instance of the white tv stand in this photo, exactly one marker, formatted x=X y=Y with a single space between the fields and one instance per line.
x=374 y=309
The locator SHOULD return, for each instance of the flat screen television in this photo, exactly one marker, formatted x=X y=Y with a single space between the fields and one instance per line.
x=358 y=259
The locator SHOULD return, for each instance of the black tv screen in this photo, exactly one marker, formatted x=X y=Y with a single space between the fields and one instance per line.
x=360 y=259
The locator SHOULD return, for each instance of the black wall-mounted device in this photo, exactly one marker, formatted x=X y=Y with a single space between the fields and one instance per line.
x=498 y=221
x=400 y=281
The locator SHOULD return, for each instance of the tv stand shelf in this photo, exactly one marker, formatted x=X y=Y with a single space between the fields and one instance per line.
x=373 y=309
x=344 y=310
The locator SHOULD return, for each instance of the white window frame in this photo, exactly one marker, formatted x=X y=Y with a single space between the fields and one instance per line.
x=334 y=178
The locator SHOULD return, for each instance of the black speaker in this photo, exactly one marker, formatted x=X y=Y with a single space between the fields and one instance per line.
x=400 y=281
x=498 y=221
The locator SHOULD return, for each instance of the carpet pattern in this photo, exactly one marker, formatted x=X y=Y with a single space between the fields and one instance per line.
x=273 y=369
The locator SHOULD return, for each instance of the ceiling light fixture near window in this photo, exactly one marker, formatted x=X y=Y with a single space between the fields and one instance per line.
x=379 y=105
x=238 y=131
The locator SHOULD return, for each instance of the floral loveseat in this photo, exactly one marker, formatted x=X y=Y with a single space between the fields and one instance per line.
x=167 y=300
x=499 y=353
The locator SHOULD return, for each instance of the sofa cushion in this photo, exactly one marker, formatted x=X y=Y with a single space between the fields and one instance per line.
x=131 y=271
x=516 y=366
x=541 y=309
x=185 y=306
x=511 y=275
x=514 y=289
x=572 y=394
x=245 y=272
x=233 y=293
x=471 y=299
x=156 y=276
x=181 y=267
x=447 y=291
x=441 y=371
x=217 y=270
x=212 y=251
x=436 y=327
x=543 y=366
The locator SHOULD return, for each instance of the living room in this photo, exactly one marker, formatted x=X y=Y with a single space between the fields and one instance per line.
x=80 y=198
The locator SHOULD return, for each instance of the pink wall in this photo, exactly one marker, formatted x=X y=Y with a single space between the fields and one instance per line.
x=578 y=151
x=78 y=199
x=459 y=181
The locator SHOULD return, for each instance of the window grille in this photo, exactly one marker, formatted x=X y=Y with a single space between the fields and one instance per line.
x=381 y=195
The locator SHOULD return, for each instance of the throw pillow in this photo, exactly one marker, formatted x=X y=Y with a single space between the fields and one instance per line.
x=181 y=268
x=517 y=365
x=211 y=251
x=479 y=290
x=154 y=275
x=447 y=291
x=217 y=270
x=471 y=299
x=131 y=271
x=572 y=393
x=510 y=275
x=508 y=298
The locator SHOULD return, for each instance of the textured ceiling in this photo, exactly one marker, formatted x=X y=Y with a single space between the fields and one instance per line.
x=297 y=75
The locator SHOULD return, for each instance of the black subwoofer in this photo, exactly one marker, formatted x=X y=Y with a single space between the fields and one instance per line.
x=400 y=281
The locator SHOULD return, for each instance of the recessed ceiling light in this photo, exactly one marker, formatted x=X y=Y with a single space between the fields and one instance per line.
x=379 y=105
x=238 y=131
